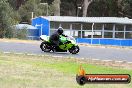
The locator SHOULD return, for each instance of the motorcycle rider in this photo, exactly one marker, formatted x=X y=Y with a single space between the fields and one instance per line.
x=55 y=37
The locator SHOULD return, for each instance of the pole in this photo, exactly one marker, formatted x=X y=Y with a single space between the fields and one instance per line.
x=77 y=12
x=81 y=29
x=124 y=31
x=47 y=9
x=113 y=31
x=78 y=8
x=41 y=29
x=103 y=31
x=32 y=15
x=71 y=30
x=92 y=34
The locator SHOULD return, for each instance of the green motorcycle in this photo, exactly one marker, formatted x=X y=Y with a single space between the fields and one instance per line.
x=68 y=44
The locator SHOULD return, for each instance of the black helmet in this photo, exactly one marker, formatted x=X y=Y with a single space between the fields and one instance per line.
x=60 y=30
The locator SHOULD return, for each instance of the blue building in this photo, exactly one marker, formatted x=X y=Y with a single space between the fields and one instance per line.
x=42 y=24
x=92 y=30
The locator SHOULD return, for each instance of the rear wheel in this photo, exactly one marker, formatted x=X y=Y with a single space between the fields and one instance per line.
x=74 y=50
x=45 y=47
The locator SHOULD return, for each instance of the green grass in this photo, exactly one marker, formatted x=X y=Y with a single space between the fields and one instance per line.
x=24 y=71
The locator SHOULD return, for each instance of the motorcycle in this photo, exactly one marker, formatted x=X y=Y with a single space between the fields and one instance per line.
x=68 y=44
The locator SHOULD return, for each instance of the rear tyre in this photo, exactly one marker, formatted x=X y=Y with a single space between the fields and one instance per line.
x=74 y=50
x=45 y=47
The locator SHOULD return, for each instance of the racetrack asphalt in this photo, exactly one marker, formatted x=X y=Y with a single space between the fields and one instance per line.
x=85 y=52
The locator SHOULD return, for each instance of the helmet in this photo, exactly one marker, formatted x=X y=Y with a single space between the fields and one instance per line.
x=60 y=30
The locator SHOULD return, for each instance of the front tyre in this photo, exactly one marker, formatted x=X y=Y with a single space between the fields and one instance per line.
x=45 y=47
x=74 y=50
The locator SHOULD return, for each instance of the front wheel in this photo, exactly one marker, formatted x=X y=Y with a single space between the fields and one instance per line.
x=45 y=47
x=74 y=50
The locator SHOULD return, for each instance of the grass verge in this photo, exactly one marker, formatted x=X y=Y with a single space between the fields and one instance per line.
x=29 y=71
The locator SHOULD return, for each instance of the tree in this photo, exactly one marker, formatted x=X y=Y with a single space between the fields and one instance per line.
x=68 y=8
x=128 y=8
x=125 y=8
x=56 y=4
x=12 y=3
x=35 y=6
x=85 y=7
x=7 y=19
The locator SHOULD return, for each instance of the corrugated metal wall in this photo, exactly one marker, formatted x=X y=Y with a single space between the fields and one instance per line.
x=117 y=42
x=42 y=24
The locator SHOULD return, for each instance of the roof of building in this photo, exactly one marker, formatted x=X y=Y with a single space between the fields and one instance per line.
x=24 y=26
x=119 y=20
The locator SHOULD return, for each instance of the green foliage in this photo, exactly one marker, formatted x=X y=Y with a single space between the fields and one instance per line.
x=21 y=33
x=7 y=19
x=109 y=8
x=127 y=8
x=26 y=9
x=36 y=7
x=98 y=8
x=12 y=3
